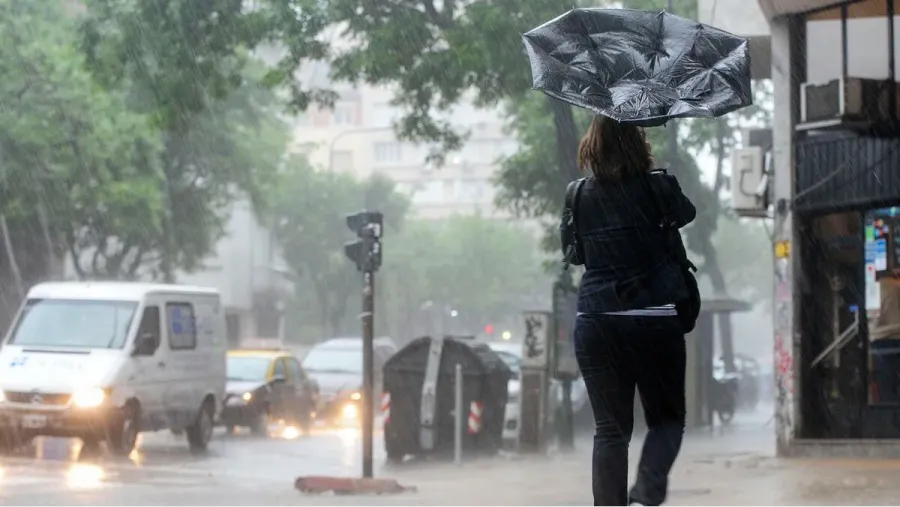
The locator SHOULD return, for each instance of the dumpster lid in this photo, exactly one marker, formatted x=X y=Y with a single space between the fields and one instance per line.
x=475 y=357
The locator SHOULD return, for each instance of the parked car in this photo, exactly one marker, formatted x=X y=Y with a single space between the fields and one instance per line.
x=337 y=367
x=106 y=361
x=267 y=385
x=511 y=354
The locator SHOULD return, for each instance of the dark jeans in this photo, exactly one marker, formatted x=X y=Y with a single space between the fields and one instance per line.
x=616 y=354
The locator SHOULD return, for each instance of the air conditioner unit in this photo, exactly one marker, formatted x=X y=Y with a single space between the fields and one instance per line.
x=749 y=182
x=757 y=137
x=846 y=102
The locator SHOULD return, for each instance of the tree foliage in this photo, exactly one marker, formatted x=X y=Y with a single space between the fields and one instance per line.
x=485 y=270
x=77 y=167
x=479 y=267
x=187 y=67
x=309 y=212
x=436 y=53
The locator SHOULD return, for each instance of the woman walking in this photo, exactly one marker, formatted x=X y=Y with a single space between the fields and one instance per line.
x=628 y=333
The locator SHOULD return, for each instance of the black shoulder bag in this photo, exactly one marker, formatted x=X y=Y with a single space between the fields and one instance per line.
x=689 y=308
x=573 y=249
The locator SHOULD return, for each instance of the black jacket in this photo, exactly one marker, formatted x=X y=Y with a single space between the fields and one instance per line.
x=618 y=226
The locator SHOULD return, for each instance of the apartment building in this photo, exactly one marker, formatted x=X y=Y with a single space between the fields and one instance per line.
x=357 y=136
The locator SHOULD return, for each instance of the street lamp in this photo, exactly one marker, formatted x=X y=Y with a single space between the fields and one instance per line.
x=346 y=133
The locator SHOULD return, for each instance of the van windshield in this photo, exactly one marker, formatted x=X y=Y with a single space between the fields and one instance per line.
x=74 y=323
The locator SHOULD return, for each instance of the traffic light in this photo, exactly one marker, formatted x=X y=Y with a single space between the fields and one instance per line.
x=365 y=252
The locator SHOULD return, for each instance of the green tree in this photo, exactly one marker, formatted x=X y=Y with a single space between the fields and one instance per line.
x=187 y=66
x=483 y=269
x=437 y=54
x=309 y=212
x=77 y=169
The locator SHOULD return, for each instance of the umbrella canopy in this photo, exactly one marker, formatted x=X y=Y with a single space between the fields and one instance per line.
x=640 y=67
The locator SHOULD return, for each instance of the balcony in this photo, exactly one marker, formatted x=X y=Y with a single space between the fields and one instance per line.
x=846 y=171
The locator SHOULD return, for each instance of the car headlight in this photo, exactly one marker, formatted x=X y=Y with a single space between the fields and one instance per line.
x=355 y=396
x=350 y=412
x=247 y=397
x=89 y=397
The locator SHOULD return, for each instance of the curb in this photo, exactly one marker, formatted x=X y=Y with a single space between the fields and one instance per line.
x=350 y=486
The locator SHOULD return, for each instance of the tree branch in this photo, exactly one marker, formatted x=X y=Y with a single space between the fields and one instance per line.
x=73 y=252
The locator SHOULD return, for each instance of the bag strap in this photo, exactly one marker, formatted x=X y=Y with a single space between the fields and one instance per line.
x=666 y=223
x=573 y=195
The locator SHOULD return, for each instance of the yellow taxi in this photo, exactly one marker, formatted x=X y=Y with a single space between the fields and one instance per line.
x=268 y=385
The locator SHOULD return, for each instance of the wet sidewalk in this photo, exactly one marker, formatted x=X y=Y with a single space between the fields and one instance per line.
x=735 y=466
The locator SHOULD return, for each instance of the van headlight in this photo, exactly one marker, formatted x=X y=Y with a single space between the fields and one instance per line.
x=90 y=397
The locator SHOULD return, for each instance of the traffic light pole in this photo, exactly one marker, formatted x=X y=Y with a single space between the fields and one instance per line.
x=368 y=336
x=366 y=253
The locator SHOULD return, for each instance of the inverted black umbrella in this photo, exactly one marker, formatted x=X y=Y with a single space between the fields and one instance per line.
x=640 y=67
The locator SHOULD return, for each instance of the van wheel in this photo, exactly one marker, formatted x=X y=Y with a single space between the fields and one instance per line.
x=200 y=433
x=122 y=437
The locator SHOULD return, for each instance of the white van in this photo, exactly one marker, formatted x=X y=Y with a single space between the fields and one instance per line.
x=107 y=360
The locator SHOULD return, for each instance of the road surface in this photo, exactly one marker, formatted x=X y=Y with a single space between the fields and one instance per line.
x=731 y=467
x=238 y=469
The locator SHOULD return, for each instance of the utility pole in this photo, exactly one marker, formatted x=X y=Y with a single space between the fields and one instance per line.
x=366 y=253
x=565 y=368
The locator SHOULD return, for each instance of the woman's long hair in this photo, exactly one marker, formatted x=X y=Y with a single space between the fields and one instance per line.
x=614 y=151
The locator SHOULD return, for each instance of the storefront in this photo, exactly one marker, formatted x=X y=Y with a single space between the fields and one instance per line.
x=837 y=212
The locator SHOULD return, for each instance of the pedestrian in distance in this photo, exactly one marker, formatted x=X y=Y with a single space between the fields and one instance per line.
x=637 y=299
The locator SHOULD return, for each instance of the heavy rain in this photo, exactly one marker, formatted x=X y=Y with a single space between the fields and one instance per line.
x=294 y=252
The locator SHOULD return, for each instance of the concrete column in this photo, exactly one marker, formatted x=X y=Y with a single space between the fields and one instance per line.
x=788 y=70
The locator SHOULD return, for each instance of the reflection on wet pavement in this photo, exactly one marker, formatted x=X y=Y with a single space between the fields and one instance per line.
x=84 y=476
x=731 y=467
x=162 y=459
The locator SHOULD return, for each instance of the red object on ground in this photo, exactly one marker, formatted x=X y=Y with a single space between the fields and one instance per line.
x=350 y=485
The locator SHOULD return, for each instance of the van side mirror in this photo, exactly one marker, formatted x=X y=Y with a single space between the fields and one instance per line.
x=146 y=344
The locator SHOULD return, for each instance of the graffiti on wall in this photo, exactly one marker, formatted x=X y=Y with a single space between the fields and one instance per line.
x=784 y=345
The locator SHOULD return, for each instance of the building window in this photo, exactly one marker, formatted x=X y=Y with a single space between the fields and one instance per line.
x=387 y=152
x=182 y=331
x=343 y=115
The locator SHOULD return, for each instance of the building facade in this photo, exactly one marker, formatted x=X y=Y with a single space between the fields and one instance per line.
x=357 y=136
x=835 y=160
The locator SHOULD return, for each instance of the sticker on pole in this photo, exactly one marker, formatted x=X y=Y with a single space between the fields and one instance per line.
x=535 y=346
